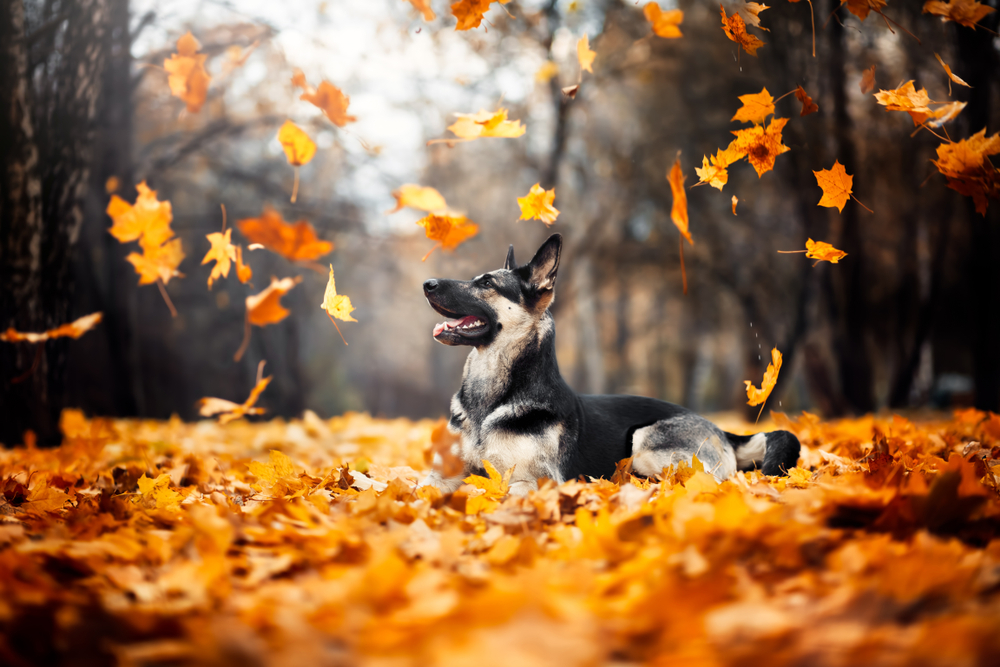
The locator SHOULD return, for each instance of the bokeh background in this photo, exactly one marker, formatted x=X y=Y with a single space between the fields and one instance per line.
x=910 y=319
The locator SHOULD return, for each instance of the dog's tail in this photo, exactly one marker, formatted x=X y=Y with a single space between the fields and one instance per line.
x=773 y=453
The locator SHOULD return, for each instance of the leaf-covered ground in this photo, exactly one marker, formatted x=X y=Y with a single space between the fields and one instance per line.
x=306 y=543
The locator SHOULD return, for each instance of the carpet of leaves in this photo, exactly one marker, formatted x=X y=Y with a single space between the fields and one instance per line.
x=308 y=542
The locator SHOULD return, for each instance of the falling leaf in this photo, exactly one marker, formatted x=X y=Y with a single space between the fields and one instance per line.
x=470 y=12
x=735 y=201
x=715 y=174
x=299 y=148
x=823 y=252
x=147 y=221
x=664 y=24
x=756 y=107
x=471 y=126
x=836 y=184
x=907 y=98
x=419 y=197
x=808 y=106
x=946 y=113
x=296 y=242
x=336 y=305
x=962 y=12
x=861 y=8
x=187 y=77
x=265 y=307
x=227 y=410
x=243 y=272
x=328 y=98
x=750 y=12
x=545 y=73
x=951 y=75
x=867 y=83
x=74 y=329
x=736 y=30
x=968 y=169
x=760 y=146
x=571 y=91
x=585 y=55
x=222 y=252
x=495 y=487
x=424 y=7
x=538 y=204
x=679 y=210
x=448 y=230
x=158 y=263
x=757 y=396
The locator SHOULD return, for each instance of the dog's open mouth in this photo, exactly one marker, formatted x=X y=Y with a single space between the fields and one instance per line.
x=470 y=325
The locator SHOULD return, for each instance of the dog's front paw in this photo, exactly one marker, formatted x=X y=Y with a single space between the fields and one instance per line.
x=446 y=484
x=522 y=487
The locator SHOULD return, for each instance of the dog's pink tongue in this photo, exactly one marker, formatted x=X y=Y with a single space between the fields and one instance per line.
x=451 y=324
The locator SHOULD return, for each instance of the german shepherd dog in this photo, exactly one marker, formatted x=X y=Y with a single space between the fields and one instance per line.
x=515 y=410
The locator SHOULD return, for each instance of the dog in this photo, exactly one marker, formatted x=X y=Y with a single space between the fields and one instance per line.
x=515 y=410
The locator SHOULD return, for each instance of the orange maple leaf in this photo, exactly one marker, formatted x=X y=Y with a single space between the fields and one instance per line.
x=836 y=184
x=584 y=55
x=147 y=221
x=757 y=396
x=823 y=252
x=424 y=7
x=495 y=487
x=968 y=169
x=808 y=106
x=962 y=12
x=265 y=307
x=907 y=98
x=448 y=230
x=736 y=30
x=415 y=196
x=227 y=410
x=243 y=272
x=867 y=83
x=715 y=174
x=756 y=107
x=296 y=242
x=328 y=98
x=471 y=126
x=679 y=210
x=470 y=12
x=187 y=77
x=861 y=8
x=759 y=145
x=951 y=75
x=538 y=204
x=337 y=305
x=222 y=252
x=74 y=329
x=664 y=24
x=735 y=201
x=158 y=263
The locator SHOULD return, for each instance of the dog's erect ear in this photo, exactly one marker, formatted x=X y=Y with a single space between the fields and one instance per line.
x=544 y=265
x=510 y=264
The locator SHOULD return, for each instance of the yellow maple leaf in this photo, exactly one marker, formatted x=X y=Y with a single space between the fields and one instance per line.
x=759 y=145
x=664 y=24
x=715 y=174
x=538 y=204
x=158 y=263
x=471 y=126
x=337 y=305
x=823 y=251
x=299 y=148
x=755 y=107
x=757 y=396
x=585 y=55
x=545 y=73
x=222 y=252
x=495 y=487
x=158 y=492
x=836 y=184
x=415 y=196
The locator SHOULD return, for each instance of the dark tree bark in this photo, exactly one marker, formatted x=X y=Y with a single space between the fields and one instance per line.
x=47 y=126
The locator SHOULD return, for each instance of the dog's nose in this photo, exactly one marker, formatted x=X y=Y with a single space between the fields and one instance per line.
x=430 y=285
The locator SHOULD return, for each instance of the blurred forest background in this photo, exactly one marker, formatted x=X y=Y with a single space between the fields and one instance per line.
x=910 y=318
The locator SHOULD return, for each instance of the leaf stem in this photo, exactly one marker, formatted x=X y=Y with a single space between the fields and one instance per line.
x=166 y=297
x=684 y=275
x=862 y=205
x=295 y=186
x=338 y=328
x=789 y=252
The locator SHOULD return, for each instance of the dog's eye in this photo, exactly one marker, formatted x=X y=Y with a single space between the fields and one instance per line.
x=485 y=282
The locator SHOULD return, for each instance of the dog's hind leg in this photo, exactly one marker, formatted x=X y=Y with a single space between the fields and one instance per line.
x=772 y=453
x=670 y=441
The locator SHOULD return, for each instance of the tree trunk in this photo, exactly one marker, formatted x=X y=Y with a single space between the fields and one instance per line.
x=46 y=148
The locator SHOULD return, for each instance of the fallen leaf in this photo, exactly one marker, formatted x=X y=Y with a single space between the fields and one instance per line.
x=471 y=126
x=187 y=77
x=265 y=307
x=295 y=242
x=585 y=55
x=74 y=329
x=538 y=204
x=867 y=83
x=679 y=212
x=836 y=184
x=227 y=410
x=665 y=24
x=448 y=230
x=495 y=487
x=328 y=98
x=808 y=106
x=962 y=12
x=736 y=30
x=416 y=196
x=756 y=107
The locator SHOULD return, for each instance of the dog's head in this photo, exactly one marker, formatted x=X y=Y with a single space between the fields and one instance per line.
x=512 y=300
